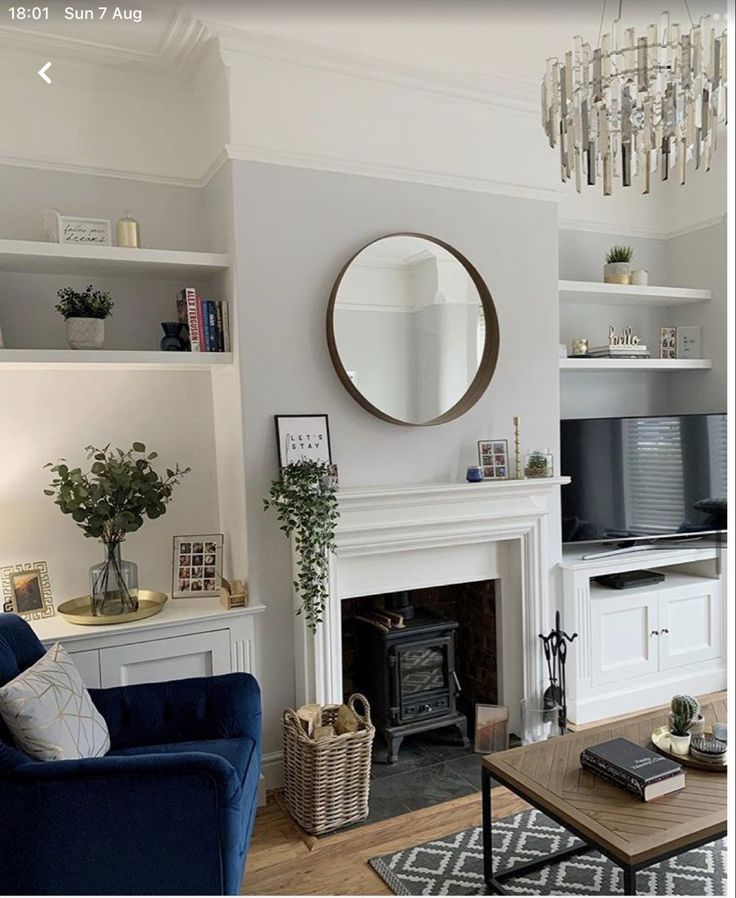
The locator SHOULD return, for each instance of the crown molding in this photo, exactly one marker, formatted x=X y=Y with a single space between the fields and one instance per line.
x=173 y=69
x=623 y=230
x=436 y=178
x=515 y=95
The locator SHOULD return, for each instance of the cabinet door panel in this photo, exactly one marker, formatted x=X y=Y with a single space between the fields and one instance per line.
x=88 y=665
x=690 y=626
x=175 y=658
x=623 y=644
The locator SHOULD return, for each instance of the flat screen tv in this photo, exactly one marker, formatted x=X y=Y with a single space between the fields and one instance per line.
x=643 y=478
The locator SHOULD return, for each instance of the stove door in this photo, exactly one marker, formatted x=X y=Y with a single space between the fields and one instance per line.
x=423 y=678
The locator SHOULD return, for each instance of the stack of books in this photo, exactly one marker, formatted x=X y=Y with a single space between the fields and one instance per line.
x=207 y=321
x=644 y=773
x=619 y=351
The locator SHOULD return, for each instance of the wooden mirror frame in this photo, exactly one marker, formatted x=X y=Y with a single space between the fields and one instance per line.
x=488 y=360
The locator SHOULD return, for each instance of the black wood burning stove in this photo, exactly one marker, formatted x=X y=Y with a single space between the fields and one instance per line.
x=408 y=673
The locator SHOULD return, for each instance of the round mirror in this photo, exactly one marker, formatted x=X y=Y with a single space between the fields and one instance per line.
x=412 y=330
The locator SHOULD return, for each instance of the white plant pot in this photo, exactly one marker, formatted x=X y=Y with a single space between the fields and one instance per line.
x=697 y=724
x=85 y=333
x=640 y=277
x=617 y=273
x=680 y=745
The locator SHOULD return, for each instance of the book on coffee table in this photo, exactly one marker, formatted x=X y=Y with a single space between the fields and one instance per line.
x=644 y=773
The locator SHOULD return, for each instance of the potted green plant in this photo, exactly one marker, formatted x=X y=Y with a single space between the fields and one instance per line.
x=617 y=269
x=684 y=708
x=538 y=464
x=85 y=315
x=108 y=502
x=304 y=499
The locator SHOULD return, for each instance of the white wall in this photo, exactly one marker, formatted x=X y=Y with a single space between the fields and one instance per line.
x=294 y=230
x=699 y=259
x=53 y=414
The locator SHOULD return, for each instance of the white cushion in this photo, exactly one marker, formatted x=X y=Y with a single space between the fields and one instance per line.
x=49 y=712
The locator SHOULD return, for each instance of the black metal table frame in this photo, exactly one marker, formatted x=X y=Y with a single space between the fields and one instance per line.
x=494 y=883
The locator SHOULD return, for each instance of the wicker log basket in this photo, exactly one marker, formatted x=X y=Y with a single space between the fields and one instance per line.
x=326 y=782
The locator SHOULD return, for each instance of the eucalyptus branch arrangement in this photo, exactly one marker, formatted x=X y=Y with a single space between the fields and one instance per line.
x=305 y=503
x=113 y=497
x=90 y=303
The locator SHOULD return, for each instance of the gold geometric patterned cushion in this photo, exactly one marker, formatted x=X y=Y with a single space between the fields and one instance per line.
x=49 y=712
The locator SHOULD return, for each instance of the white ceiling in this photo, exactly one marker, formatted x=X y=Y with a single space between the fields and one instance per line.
x=465 y=37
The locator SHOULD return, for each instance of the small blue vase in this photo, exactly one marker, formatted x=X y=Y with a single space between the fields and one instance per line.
x=172 y=340
x=474 y=474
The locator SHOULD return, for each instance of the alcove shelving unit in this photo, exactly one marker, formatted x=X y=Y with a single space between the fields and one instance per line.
x=594 y=293
x=598 y=295
x=32 y=257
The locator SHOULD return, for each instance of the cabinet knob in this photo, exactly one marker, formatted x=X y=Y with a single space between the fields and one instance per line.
x=663 y=631
x=654 y=633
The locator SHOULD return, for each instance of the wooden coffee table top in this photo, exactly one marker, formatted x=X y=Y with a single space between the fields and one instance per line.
x=548 y=774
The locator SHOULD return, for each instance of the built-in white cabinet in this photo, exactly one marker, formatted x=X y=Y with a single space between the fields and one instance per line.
x=689 y=624
x=638 y=647
x=189 y=638
x=174 y=658
x=623 y=631
x=653 y=630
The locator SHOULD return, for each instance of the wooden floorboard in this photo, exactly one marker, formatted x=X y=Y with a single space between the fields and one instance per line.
x=283 y=860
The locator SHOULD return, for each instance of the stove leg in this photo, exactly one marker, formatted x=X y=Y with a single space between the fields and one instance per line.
x=393 y=744
x=462 y=725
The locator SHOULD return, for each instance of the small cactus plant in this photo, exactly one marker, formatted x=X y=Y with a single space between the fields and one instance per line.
x=685 y=709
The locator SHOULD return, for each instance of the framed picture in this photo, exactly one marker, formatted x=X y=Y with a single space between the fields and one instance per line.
x=688 y=343
x=27 y=590
x=303 y=438
x=68 y=229
x=668 y=342
x=197 y=566
x=491 y=728
x=493 y=457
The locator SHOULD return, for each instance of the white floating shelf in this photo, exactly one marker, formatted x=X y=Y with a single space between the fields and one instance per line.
x=591 y=292
x=35 y=257
x=106 y=359
x=635 y=364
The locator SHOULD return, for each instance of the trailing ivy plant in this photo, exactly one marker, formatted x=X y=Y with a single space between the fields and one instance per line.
x=305 y=503
x=113 y=497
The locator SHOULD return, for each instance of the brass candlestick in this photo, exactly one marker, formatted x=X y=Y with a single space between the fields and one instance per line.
x=517 y=447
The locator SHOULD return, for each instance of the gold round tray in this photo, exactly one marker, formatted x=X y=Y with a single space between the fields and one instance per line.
x=659 y=741
x=77 y=611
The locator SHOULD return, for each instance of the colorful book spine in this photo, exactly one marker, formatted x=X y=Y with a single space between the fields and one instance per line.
x=193 y=322
x=202 y=324
x=212 y=326
x=220 y=334
x=226 y=325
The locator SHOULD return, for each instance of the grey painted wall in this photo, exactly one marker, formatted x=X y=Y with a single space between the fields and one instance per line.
x=700 y=259
x=294 y=229
x=170 y=216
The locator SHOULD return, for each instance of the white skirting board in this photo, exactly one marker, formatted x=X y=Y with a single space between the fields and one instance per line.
x=272 y=771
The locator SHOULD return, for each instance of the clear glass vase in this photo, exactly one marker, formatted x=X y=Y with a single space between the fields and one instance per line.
x=113 y=584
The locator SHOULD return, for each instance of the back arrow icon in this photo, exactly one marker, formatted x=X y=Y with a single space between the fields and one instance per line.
x=42 y=72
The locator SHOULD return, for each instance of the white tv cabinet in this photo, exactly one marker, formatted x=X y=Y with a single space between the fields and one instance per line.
x=638 y=647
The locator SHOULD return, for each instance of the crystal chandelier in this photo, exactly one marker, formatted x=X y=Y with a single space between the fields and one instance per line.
x=635 y=104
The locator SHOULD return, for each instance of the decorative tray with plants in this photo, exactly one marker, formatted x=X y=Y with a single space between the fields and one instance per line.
x=687 y=739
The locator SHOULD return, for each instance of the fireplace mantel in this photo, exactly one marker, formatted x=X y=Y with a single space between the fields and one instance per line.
x=422 y=535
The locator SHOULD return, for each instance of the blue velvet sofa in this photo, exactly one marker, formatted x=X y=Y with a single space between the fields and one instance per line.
x=169 y=810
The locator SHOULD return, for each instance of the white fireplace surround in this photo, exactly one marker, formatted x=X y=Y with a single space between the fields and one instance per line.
x=412 y=537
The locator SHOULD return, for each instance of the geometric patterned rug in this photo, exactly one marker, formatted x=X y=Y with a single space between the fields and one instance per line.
x=454 y=865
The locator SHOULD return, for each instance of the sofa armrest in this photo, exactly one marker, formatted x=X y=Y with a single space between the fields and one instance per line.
x=167 y=824
x=220 y=707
